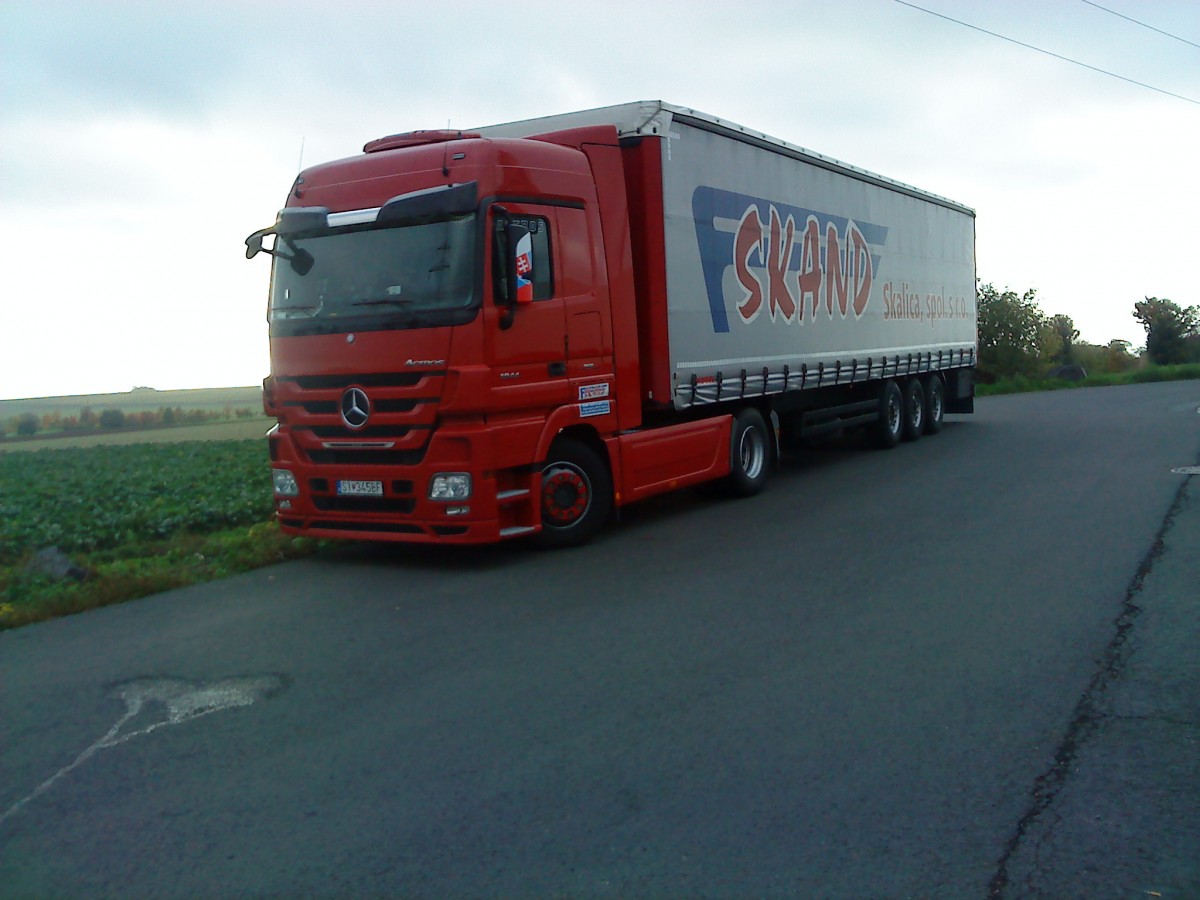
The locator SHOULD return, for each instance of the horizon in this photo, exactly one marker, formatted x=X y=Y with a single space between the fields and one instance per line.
x=133 y=390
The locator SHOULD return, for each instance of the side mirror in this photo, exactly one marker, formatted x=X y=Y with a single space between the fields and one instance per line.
x=254 y=243
x=301 y=260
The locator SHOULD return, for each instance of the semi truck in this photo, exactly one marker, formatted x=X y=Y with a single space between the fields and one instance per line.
x=516 y=330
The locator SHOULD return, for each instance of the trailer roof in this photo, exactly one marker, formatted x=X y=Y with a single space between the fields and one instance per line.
x=654 y=117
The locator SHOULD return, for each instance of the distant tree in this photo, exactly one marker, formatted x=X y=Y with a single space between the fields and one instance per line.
x=1012 y=331
x=1118 y=356
x=87 y=418
x=1049 y=344
x=1115 y=356
x=28 y=424
x=1064 y=327
x=166 y=415
x=1191 y=348
x=1168 y=327
x=111 y=419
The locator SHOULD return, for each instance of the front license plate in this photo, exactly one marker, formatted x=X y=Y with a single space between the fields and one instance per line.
x=360 y=488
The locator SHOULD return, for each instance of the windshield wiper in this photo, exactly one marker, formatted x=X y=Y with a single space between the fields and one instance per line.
x=383 y=301
x=287 y=310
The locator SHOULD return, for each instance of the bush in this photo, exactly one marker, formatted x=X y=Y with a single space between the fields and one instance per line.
x=111 y=419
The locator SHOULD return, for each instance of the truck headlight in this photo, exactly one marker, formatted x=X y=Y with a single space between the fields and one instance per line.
x=285 y=483
x=450 y=486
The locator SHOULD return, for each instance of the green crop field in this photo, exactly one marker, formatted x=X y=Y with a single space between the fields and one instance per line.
x=138 y=518
x=87 y=499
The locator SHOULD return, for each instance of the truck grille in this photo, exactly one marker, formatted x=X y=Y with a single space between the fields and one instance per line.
x=402 y=417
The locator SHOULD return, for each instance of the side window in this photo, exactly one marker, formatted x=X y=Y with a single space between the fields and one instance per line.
x=540 y=270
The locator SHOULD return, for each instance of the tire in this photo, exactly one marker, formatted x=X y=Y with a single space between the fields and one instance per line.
x=914 y=410
x=890 y=427
x=577 y=495
x=935 y=404
x=749 y=454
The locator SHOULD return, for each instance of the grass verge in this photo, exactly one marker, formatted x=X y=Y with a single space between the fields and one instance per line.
x=1020 y=384
x=143 y=568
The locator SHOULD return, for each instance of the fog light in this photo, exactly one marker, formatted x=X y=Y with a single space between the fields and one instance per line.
x=450 y=486
x=457 y=510
x=285 y=483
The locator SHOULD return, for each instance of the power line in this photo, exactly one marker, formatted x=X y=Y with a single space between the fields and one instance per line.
x=1068 y=59
x=1143 y=24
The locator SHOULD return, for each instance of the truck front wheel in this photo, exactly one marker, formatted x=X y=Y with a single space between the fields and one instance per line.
x=576 y=494
x=749 y=454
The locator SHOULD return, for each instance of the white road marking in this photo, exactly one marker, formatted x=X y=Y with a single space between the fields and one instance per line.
x=176 y=701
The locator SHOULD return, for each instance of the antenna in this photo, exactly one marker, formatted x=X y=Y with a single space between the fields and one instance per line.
x=300 y=162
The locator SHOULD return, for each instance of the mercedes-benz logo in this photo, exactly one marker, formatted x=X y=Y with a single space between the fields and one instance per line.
x=356 y=408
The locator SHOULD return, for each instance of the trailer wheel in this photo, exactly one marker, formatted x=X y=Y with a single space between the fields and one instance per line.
x=749 y=454
x=576 y=494
x=890 y=427
x=935 y=404
x=914 y=410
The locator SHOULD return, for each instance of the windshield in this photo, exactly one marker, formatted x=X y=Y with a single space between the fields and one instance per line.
x=372 y=271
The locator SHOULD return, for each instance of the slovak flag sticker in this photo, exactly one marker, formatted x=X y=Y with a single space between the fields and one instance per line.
x=524 y=269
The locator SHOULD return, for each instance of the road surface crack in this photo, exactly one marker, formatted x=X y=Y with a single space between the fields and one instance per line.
x=1087 y=715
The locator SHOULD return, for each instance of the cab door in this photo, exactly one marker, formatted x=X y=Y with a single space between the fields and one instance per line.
x=527 y=341
x=589 y=326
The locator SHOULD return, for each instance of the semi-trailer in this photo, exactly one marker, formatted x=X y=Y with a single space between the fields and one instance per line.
x=514 y=330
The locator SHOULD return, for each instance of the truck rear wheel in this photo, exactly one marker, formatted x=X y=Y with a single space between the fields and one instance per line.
x=749 y=454
x=890 y=427
x=935 y=404
x=914 y=410
x=576 y=494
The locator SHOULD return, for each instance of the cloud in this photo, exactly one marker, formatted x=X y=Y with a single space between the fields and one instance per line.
x=141 y=141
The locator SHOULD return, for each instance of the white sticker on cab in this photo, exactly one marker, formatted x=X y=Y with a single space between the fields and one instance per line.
x=596 y=408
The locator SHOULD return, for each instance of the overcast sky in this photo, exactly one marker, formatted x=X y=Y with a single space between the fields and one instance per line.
x=141 y=142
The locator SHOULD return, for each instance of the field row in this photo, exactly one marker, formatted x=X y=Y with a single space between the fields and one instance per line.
x=95 y=498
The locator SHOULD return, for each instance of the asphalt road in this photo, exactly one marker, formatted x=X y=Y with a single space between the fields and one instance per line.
x=963 y=668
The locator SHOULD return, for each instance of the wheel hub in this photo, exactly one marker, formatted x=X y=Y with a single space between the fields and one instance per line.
x=565 y=496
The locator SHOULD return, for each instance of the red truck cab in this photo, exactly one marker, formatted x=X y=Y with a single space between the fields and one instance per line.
x=454 y=344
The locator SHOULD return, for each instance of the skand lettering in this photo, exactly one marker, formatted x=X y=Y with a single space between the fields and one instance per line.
x=836 y=276
x=787 y=261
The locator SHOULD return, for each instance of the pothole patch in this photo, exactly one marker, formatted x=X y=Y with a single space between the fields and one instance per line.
x=153 y=703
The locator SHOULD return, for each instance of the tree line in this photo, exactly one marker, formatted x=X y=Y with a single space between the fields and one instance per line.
x=1017 y=339
x=29 y=424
